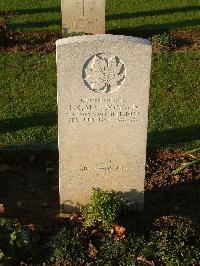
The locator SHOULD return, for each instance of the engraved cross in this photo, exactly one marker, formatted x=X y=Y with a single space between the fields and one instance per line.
x=83 y=7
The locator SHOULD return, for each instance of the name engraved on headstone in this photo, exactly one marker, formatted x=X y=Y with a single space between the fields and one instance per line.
x=102 y=110
x=103 y=96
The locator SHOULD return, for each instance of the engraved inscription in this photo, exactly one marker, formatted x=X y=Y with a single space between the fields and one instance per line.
x=104 y=73
x=102 y=110
x=103 y=166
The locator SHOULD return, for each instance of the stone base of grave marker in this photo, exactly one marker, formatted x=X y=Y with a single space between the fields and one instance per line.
x=83 y=16
x=103 y=94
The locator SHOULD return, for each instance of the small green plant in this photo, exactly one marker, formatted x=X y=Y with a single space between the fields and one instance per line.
x=103 y=208
x=195 y=161
x=15 y=241
x=28 y=39
x=120 y=252
x=173 y=241
x=163 y=39
x=69 y=246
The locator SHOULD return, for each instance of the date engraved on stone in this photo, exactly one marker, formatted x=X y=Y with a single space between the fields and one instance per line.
x=104 y=73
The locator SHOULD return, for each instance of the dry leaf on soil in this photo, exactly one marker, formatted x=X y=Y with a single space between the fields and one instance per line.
x=146 y=262
x=76 y=218
x=92 y=252
x=2 y=208
x=118 y=231
x=31 y=227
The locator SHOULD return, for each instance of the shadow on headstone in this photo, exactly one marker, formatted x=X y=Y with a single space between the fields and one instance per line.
x=30 y=192
x=131 y=201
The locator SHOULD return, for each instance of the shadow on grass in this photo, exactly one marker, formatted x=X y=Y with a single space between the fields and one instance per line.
x=161 y=139
x=173 y=136
x=34 y=24
x=36 y=10
x=151 y=28
x=159 y=12
x=128 y=30
x=30 y=192
x=29 y=189
x=155 y=28
x=10 y=125
x=150 y=13
x=180 y=199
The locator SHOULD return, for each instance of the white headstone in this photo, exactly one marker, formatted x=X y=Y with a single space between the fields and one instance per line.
x=103 y=94
x=83 y=16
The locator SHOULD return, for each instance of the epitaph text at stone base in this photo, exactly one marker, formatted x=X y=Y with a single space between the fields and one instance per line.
x=103 y=95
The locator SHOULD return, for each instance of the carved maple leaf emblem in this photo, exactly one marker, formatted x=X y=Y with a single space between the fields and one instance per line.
x=104 y=75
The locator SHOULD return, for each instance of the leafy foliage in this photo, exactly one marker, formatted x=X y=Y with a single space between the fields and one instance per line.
x=120 y=252
x=174 y=241
x=69 y=246
x=102 y=209
x=73 y=246
x=163 y=39
x=16 y=242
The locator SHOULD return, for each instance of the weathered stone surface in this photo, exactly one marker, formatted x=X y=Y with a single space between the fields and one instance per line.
x=103 y=92
x=83 y=16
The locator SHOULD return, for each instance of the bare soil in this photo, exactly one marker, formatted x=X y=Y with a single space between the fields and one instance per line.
x=30 y=42
x=184 y=40
x=29 y=187
x=45 y=42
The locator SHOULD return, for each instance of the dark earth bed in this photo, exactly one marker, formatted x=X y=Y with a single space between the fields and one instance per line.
x=185 y=40
x=30 y=191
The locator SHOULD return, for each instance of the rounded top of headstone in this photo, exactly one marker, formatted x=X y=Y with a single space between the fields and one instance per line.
x=102 y=37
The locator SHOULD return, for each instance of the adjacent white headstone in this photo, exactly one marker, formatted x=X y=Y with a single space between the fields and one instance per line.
x=103 y=94
x=83 y=16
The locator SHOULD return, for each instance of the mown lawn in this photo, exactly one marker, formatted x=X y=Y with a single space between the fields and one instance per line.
x=28 y=81
x=123 y=16
x=28 y=100
x=174 y=114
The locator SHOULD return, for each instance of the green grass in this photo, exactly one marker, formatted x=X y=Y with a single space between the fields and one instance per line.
x=28 y=100
x=131 y=16
x=174 y=101
x=123 y=16
x=33 y=15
